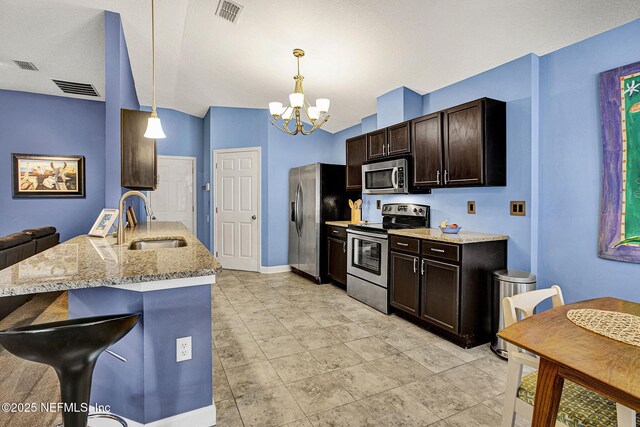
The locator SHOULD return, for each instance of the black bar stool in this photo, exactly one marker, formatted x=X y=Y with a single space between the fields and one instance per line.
x=71 y=347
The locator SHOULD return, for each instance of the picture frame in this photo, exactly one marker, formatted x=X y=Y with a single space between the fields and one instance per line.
x=47 y=176
x=104 y=222
x=619 y=232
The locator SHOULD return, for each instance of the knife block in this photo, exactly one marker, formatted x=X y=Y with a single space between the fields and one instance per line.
x=356 y=215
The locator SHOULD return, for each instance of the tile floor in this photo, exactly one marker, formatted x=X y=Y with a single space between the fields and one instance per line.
x=289 y=352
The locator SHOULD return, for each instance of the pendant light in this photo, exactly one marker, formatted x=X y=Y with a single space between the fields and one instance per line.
x=154 y=127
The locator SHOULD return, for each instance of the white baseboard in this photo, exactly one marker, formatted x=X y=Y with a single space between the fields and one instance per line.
x=275 y=269
x=201 y=417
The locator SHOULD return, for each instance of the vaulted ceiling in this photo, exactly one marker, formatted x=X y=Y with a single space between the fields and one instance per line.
x=356 y=49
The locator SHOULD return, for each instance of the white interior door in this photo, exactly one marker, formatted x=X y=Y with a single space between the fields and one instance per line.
x=237 y=208
x=174 y=200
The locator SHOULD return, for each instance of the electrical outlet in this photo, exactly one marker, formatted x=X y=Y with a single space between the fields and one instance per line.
x=471 y=207
x=518 y=208
x=378 y=204
x=183 y=349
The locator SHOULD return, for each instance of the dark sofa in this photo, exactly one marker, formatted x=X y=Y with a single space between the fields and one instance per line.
x=20 y=246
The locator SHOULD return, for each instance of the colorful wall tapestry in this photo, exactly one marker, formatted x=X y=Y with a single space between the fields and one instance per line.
x=620 y=207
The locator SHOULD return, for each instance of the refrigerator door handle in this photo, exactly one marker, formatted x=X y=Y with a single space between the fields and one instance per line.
x=297 y=209
x=300 y=208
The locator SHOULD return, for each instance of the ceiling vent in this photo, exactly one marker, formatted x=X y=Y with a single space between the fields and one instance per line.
x=74 y=88
x=229 y=10
x=26 y=65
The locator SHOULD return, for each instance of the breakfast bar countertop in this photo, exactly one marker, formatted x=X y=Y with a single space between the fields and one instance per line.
x=88 y=262
x=343 y=224
x=463 y=237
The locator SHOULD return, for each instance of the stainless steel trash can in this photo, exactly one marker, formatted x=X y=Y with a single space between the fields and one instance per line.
x=506 y=283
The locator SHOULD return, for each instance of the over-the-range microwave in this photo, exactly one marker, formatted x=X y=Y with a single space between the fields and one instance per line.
x=387 y=177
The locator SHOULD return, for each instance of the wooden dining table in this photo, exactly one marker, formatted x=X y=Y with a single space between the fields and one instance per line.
x=568 y=351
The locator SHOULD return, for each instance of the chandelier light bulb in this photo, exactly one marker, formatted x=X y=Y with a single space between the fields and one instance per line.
x=154 y=128
x=275 y=108
x=322 y=104
x=296 y=100
x=313 y=113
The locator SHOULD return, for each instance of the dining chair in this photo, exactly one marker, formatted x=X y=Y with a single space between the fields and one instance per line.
x=578 y=406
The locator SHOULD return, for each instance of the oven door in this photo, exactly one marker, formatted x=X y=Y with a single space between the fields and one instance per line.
x=367 y=256
x=385 y=177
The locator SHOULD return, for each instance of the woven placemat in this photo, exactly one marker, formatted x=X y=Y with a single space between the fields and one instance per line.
x=618 y=326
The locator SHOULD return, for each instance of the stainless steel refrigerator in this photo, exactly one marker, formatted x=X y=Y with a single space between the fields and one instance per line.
x=316 y=194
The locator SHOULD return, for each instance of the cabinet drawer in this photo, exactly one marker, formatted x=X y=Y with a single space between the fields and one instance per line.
x=405 y=244
x=441 y=250
x=337 y=232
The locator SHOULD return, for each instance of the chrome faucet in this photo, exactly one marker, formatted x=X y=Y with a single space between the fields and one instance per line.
x=121 y=215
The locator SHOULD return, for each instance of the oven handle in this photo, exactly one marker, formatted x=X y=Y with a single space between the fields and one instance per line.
x=375 y=237
x=394 y=178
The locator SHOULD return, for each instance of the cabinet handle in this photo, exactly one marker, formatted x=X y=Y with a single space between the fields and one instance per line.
x=438 y=177
x=336 y=231
x=344 y=247
x=422 y=268
x=388 y=148
x=402 y=244
x=415 y=265
x=446 y=176
x=383 y=148
x=437 y=250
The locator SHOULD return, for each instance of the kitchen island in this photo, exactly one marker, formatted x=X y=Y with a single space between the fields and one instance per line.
x=170 y=286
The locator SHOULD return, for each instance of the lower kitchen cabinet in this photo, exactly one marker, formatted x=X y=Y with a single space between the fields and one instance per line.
x=440 y=287
x=404 y=283
x=445 y=287
x=337 y=254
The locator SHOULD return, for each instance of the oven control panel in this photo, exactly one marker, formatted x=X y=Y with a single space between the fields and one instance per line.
x=405 y=209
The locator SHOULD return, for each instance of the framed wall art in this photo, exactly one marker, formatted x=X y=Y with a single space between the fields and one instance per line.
x=619 y=237
x=38 y=175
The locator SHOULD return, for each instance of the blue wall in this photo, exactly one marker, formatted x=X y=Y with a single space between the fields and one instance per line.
x=43 y=124
x=120 y=93
x=571 y=168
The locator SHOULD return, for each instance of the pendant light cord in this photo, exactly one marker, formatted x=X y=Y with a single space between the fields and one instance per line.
x=153 y=55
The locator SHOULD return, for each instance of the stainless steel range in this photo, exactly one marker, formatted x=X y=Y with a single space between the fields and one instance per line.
x=368 y=252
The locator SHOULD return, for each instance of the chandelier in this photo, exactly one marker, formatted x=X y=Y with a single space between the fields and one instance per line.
x=317 y=115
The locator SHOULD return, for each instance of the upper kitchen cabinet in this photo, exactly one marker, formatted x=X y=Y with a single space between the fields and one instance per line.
x=377 y=144
x=474 y=142
x=139 y=165
x=460 y=146
x=356 y=156
x=427 y=151
x=389 y=142
x=399 y=139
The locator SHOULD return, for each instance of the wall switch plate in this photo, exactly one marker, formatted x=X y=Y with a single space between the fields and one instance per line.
x=378 y=204
x=471 y=207
x=183 y=349
x=518 y=208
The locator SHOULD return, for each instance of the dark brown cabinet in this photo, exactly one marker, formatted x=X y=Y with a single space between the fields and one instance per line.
x=461 y=146
x=356 y=156
x=399 y=139
x=337 y=254
x=439 y=288
x=138 y=156
x=377 y=144
x=445 y=287
x=404 y=283
x=427 y=151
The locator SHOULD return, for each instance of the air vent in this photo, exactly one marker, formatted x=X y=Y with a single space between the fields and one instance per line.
x=76 y=88
x=229 y=10
x=26 y=65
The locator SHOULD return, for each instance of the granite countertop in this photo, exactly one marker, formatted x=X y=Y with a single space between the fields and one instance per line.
x=343 y=224
x=86 y=262
x=461 y=238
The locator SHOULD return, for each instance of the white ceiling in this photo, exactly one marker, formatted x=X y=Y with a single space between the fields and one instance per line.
x=356 y=49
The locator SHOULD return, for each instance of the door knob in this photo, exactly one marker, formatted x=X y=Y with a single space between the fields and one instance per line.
x=253 y=217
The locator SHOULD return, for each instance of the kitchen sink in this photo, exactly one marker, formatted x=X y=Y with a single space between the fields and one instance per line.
x=141 y=245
